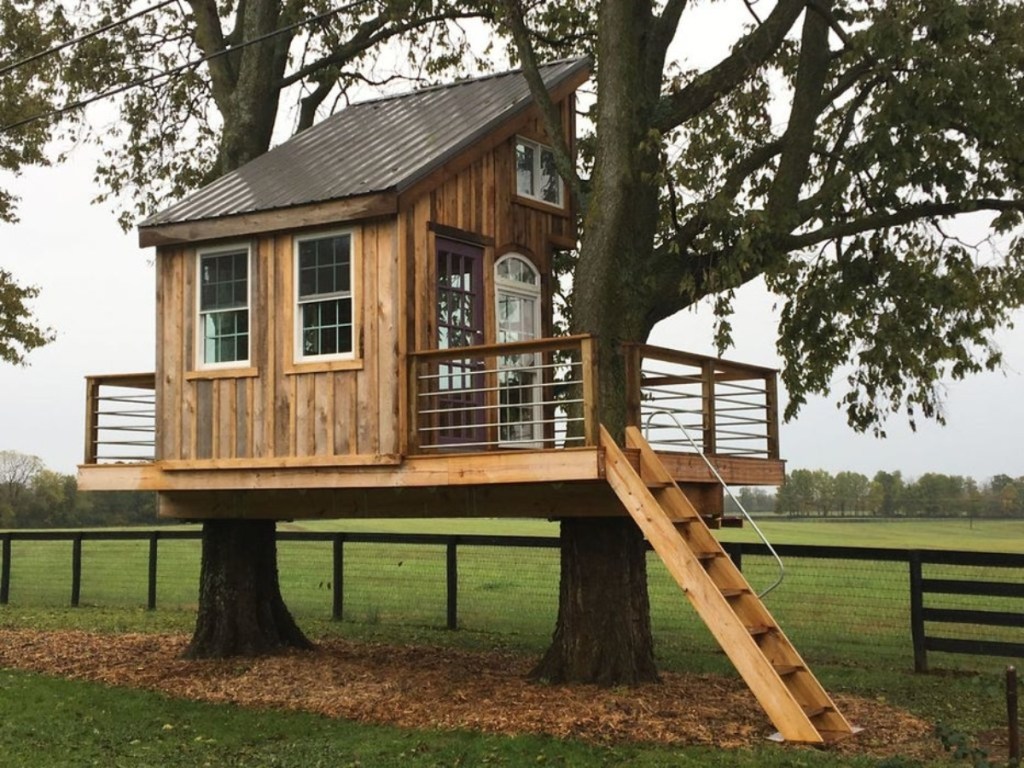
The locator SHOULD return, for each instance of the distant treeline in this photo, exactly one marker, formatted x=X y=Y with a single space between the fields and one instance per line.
x=817 y=493
x=32 y=496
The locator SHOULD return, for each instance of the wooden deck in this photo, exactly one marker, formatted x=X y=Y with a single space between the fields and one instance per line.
x=475 y=439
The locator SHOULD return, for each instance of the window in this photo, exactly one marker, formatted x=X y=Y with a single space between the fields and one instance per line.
x=324 y=318
x=517 y=285
x=224 y=307
x=536 y=175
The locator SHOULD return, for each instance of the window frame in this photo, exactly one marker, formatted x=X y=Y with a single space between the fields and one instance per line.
x=538 y=148
x=201 y=363
x=298 y=355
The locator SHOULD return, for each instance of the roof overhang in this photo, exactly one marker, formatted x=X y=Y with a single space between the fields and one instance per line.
x=258 y=222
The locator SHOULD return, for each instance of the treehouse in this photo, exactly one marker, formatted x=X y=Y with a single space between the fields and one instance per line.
x=359 y=324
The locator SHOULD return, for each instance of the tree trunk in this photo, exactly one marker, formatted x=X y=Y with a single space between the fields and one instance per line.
x=603 y=634
x=241 y=612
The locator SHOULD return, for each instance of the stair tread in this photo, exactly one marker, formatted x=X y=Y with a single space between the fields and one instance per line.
x=760 y=629
x=788 y=669
x=713 y=555
x=735 y=591
x=813 y=710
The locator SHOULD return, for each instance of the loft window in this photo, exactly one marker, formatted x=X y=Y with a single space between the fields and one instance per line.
x=324 y=326
x=536 y=175
x=224 y=307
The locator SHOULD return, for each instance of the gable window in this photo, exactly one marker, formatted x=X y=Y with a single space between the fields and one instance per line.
x=536 y=175
x=223 y=307
x=324 y=317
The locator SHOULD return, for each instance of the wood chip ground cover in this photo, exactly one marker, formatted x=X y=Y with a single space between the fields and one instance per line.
x=444 y=688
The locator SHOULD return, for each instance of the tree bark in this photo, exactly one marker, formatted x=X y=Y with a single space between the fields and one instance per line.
x=241 y=612
x=603 y=635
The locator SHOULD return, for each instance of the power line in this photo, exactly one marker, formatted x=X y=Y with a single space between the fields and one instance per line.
x=81 y=38
x=176 y=70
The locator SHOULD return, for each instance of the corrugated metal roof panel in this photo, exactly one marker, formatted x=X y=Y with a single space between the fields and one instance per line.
x=373 y=146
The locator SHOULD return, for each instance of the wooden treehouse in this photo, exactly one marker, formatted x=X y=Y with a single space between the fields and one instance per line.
x=358 y=324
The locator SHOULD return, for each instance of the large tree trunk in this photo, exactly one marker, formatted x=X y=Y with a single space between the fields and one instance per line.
x=603 y=634
x=241 y=612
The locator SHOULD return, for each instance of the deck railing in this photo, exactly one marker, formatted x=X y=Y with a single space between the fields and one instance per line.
x=120 y=418
x=730 y=409
x=526 y=394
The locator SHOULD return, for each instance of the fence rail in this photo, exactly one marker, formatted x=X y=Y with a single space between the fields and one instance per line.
x=839 y=601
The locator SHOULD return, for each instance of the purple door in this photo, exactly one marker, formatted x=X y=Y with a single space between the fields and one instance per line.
x=460 y=323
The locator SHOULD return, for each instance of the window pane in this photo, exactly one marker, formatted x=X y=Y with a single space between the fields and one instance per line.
x=524 y=168
x=223 y=281
x=325 y=269
x=225 y=336
x=550 y=184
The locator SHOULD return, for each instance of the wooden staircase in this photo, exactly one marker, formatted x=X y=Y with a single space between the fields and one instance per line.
x=791 y=696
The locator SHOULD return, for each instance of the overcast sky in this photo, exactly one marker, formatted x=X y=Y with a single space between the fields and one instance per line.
x=97 y=292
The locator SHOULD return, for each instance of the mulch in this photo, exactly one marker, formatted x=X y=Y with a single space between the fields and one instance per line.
x=445 y=688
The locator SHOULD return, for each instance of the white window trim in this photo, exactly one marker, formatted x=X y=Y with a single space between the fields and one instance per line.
x=524 y=290
x=538 y=147
x=220 y=250
x=299 y=357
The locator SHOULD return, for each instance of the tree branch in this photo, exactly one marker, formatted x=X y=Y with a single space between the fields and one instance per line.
x=753 y=51
x=564 y=161
x=904 y=215
x=665 y=27
x=210 y=38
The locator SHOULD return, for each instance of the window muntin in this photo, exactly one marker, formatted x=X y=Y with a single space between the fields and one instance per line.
x=324 y=299
x=536 y=174
x=223 y=287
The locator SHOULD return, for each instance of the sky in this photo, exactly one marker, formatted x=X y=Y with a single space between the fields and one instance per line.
x=97 y=293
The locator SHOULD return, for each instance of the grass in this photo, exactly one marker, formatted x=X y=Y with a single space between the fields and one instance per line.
x=57 y=723
x=849 y=620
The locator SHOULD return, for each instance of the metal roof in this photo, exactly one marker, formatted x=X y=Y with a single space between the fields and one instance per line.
x=385 y=144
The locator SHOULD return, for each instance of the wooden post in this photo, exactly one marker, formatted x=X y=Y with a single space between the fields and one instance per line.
x=338 y=577
x=634 y=377
x=453 y=583
x=588 y=370
x=1012 y=715
x=92 y=393
x=708 y=406
x=154 y=537
x=413 y=411
x=5 y=570
x=917 y=613
x=76 y=569
x=771 y=397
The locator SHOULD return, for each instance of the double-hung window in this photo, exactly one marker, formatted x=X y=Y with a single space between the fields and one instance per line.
x=536 y=175
x=223 y=286
x=324 y=300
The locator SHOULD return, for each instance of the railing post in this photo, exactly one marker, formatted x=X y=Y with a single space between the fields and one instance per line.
x=708 y=406
x=154 y=537
x=76 y=569
x=412 y=428
x=771 y=397
x=917 y=613
x=5 y=570
x=634 y=375
x=92 y=392
x=453 y=582
x=588 y=364
x=338 y=577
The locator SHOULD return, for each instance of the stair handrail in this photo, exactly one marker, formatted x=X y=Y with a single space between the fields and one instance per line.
x=757 y=529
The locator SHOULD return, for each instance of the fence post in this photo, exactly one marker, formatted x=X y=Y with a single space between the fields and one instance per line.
x=76 y=569
x=735 y=551
x=453 y=583
x=154 y=537
x=917 y=613
x=338 y=576
x=5 y=570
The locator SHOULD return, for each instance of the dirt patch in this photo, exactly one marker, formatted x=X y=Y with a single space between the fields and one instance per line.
x=429 y=687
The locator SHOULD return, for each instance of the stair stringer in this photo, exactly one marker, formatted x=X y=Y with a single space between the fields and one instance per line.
x=783 y=697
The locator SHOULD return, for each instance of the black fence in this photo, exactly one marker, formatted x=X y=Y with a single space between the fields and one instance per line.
x=836 y=603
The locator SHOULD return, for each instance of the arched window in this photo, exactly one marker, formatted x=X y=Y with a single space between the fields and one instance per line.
x=517 y=302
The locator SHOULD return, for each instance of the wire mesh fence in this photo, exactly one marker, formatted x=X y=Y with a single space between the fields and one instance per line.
x=837 y=604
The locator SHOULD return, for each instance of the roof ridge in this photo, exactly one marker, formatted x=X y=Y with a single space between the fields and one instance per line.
x=464 y=81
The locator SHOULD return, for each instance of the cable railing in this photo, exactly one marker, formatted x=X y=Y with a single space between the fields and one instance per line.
x=120 y=418
x=526 y=394
x=730 y=409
